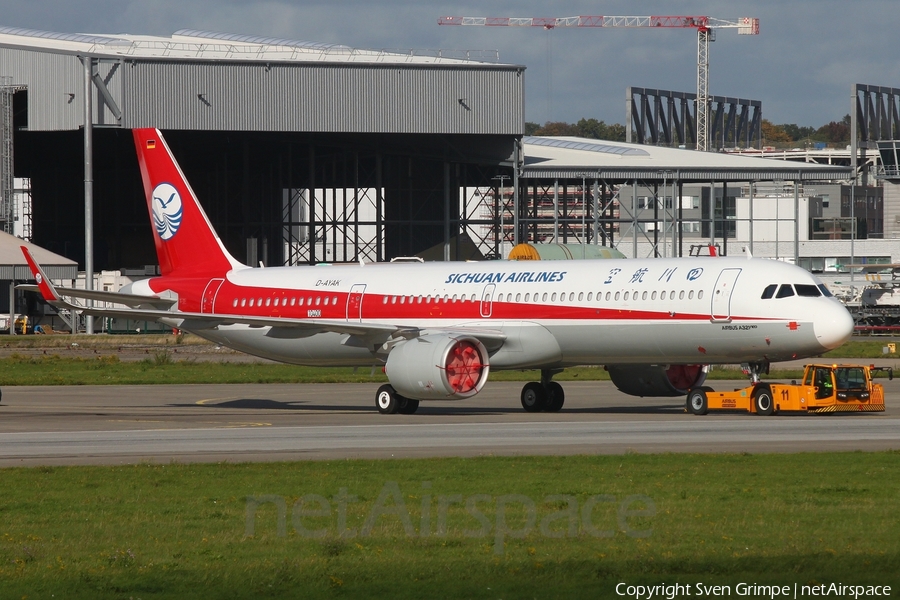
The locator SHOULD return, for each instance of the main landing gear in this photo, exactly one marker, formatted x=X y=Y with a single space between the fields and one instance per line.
x=546 y=395
x=389 y=402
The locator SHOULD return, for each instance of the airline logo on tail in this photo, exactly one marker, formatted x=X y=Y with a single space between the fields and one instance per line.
x=167 y=210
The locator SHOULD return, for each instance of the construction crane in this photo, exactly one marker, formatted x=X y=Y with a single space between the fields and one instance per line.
x=706 y=33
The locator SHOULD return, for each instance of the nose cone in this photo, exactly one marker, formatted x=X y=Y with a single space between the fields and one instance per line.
x=833 y=326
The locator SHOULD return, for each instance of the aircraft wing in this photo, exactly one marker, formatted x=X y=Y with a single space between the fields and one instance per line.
x=55 y=295
x=369 y=335
x=133 y=300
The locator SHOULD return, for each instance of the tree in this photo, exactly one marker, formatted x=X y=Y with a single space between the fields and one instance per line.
x=557 y=128
x=836 y=132
x=796 y=132
x=599 y=130
x=773 y=133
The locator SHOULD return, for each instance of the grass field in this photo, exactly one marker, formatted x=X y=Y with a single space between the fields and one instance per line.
x=165 y=367
x=490 y=527
x=532 y=527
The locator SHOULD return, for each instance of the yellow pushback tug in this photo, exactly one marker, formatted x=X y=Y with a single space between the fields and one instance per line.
x=825 y=389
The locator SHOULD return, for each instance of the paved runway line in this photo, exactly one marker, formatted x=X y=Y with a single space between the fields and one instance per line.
x=819 y=433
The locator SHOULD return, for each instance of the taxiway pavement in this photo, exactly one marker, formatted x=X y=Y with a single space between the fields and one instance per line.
x=263 y=422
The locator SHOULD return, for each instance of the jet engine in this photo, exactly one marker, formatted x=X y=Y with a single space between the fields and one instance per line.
x=657 y=380
x=438 y=367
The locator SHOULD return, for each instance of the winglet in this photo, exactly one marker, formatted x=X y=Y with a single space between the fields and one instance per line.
x=47 y=289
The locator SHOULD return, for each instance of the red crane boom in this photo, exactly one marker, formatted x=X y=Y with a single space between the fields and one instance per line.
x=704 y=25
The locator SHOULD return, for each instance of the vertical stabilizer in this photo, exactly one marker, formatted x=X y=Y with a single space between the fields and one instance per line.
x=186 y=243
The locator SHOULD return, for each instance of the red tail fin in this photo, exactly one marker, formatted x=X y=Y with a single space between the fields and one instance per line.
x=186 y=243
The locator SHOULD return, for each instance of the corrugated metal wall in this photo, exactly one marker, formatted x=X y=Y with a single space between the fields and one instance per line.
x=324 y=98
x=303 y=97
x=54 y=87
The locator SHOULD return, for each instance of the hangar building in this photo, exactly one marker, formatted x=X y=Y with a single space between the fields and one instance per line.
x=300 y=152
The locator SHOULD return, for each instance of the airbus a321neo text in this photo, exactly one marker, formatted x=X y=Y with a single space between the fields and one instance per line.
x=438 y=329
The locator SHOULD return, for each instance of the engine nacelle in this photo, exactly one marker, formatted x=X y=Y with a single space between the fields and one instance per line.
x=657 y=380
x=438 y=367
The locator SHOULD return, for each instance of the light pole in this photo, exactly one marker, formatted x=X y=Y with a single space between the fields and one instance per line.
x=502 y=204
x=665 y=174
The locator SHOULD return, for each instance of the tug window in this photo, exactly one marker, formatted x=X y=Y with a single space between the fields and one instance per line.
x=769 y=291
x=785 y=291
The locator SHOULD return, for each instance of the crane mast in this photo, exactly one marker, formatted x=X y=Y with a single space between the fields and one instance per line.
x=704 y=25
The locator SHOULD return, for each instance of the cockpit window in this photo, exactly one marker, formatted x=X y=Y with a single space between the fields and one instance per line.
x=825 y=291
x=769 y=291
x=785 y=291
x=808 y=290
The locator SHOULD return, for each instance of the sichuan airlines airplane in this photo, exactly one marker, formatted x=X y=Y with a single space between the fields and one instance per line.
x=439 y=328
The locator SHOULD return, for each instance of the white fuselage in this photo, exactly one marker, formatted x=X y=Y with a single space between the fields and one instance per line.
x=550 y=313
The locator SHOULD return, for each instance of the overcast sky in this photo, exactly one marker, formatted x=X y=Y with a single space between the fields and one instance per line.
x=801 y=66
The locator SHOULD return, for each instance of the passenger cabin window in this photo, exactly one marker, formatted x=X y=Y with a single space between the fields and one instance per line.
x=807 y=290
x=785 y=291
x=769 y=291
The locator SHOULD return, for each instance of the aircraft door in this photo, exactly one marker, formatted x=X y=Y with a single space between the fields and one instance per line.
x=487 y=299
x=208 y=304
x=720 y=309
x=354 y=302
